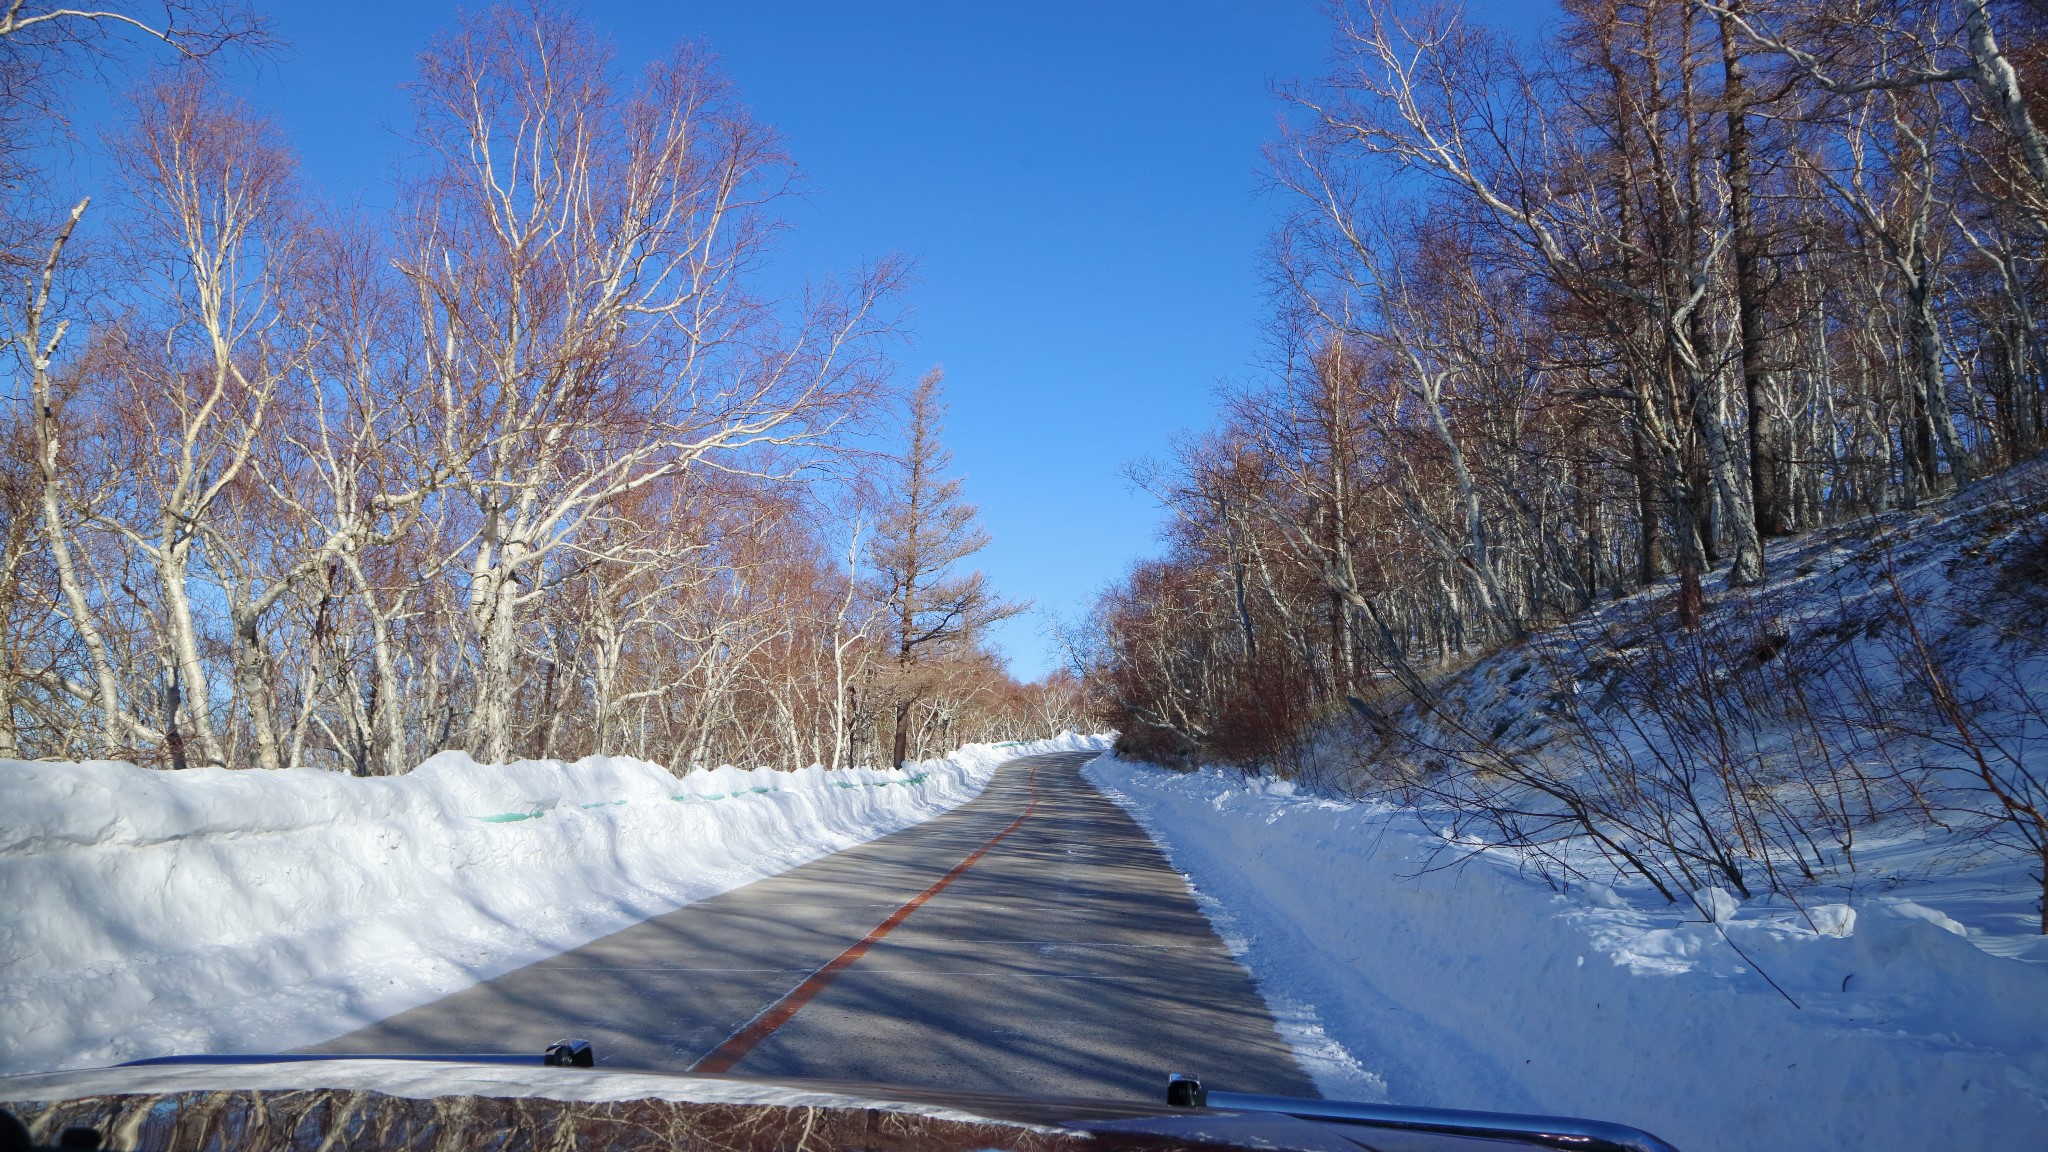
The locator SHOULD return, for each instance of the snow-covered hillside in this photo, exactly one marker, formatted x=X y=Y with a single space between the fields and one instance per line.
x=1770 y=883
x=1873 y=720
x=209 y=910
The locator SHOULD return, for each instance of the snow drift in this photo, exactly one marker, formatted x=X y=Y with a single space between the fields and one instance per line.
x=1401 y=976
x=212 y=910
x=1772 y=882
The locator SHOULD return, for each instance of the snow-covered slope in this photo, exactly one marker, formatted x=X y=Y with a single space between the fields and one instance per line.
x=1400 y=977
x=1750 y=885
x=144 y=913
x=1843 y=731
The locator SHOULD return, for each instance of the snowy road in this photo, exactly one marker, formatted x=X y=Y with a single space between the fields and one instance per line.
x=1065 y=958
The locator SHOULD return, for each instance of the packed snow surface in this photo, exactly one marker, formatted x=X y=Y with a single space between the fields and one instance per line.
x=151 y=913
x=1410 y=971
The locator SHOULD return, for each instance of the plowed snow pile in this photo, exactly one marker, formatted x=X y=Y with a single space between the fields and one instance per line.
x=1478 y=987
x=1864 y=970
x=145 y=913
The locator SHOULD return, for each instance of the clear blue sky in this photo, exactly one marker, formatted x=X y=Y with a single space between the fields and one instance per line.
x=1077 y=182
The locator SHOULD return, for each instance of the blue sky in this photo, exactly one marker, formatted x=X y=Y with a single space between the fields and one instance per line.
x=1078 y=184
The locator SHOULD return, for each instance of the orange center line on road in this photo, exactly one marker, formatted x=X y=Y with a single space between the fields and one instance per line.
x=765 y=1022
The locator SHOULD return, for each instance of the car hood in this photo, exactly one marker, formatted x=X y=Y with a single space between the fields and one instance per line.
x=370 y=1104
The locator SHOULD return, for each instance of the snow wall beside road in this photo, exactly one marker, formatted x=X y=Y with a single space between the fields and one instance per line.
x=1401 y=975
x=145 y=913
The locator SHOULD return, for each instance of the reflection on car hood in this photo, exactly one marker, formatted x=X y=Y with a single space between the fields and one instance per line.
x=371 y=1104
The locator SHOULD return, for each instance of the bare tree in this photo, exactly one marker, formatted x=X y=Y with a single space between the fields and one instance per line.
x=924 y=532
x=577 y=253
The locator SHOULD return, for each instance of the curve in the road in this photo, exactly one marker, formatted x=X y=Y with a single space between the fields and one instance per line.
x=1032 y=940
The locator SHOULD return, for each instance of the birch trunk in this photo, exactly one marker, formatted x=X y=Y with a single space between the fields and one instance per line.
x=39 y=350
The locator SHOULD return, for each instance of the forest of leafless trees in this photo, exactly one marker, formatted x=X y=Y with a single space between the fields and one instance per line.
x=1557 y=320
x=533 y=465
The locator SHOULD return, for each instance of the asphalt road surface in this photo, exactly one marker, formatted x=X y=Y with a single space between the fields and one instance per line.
x=1032 y=940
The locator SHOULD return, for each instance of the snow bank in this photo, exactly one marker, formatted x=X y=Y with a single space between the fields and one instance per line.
x=148 y=913
x=1402 y=977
